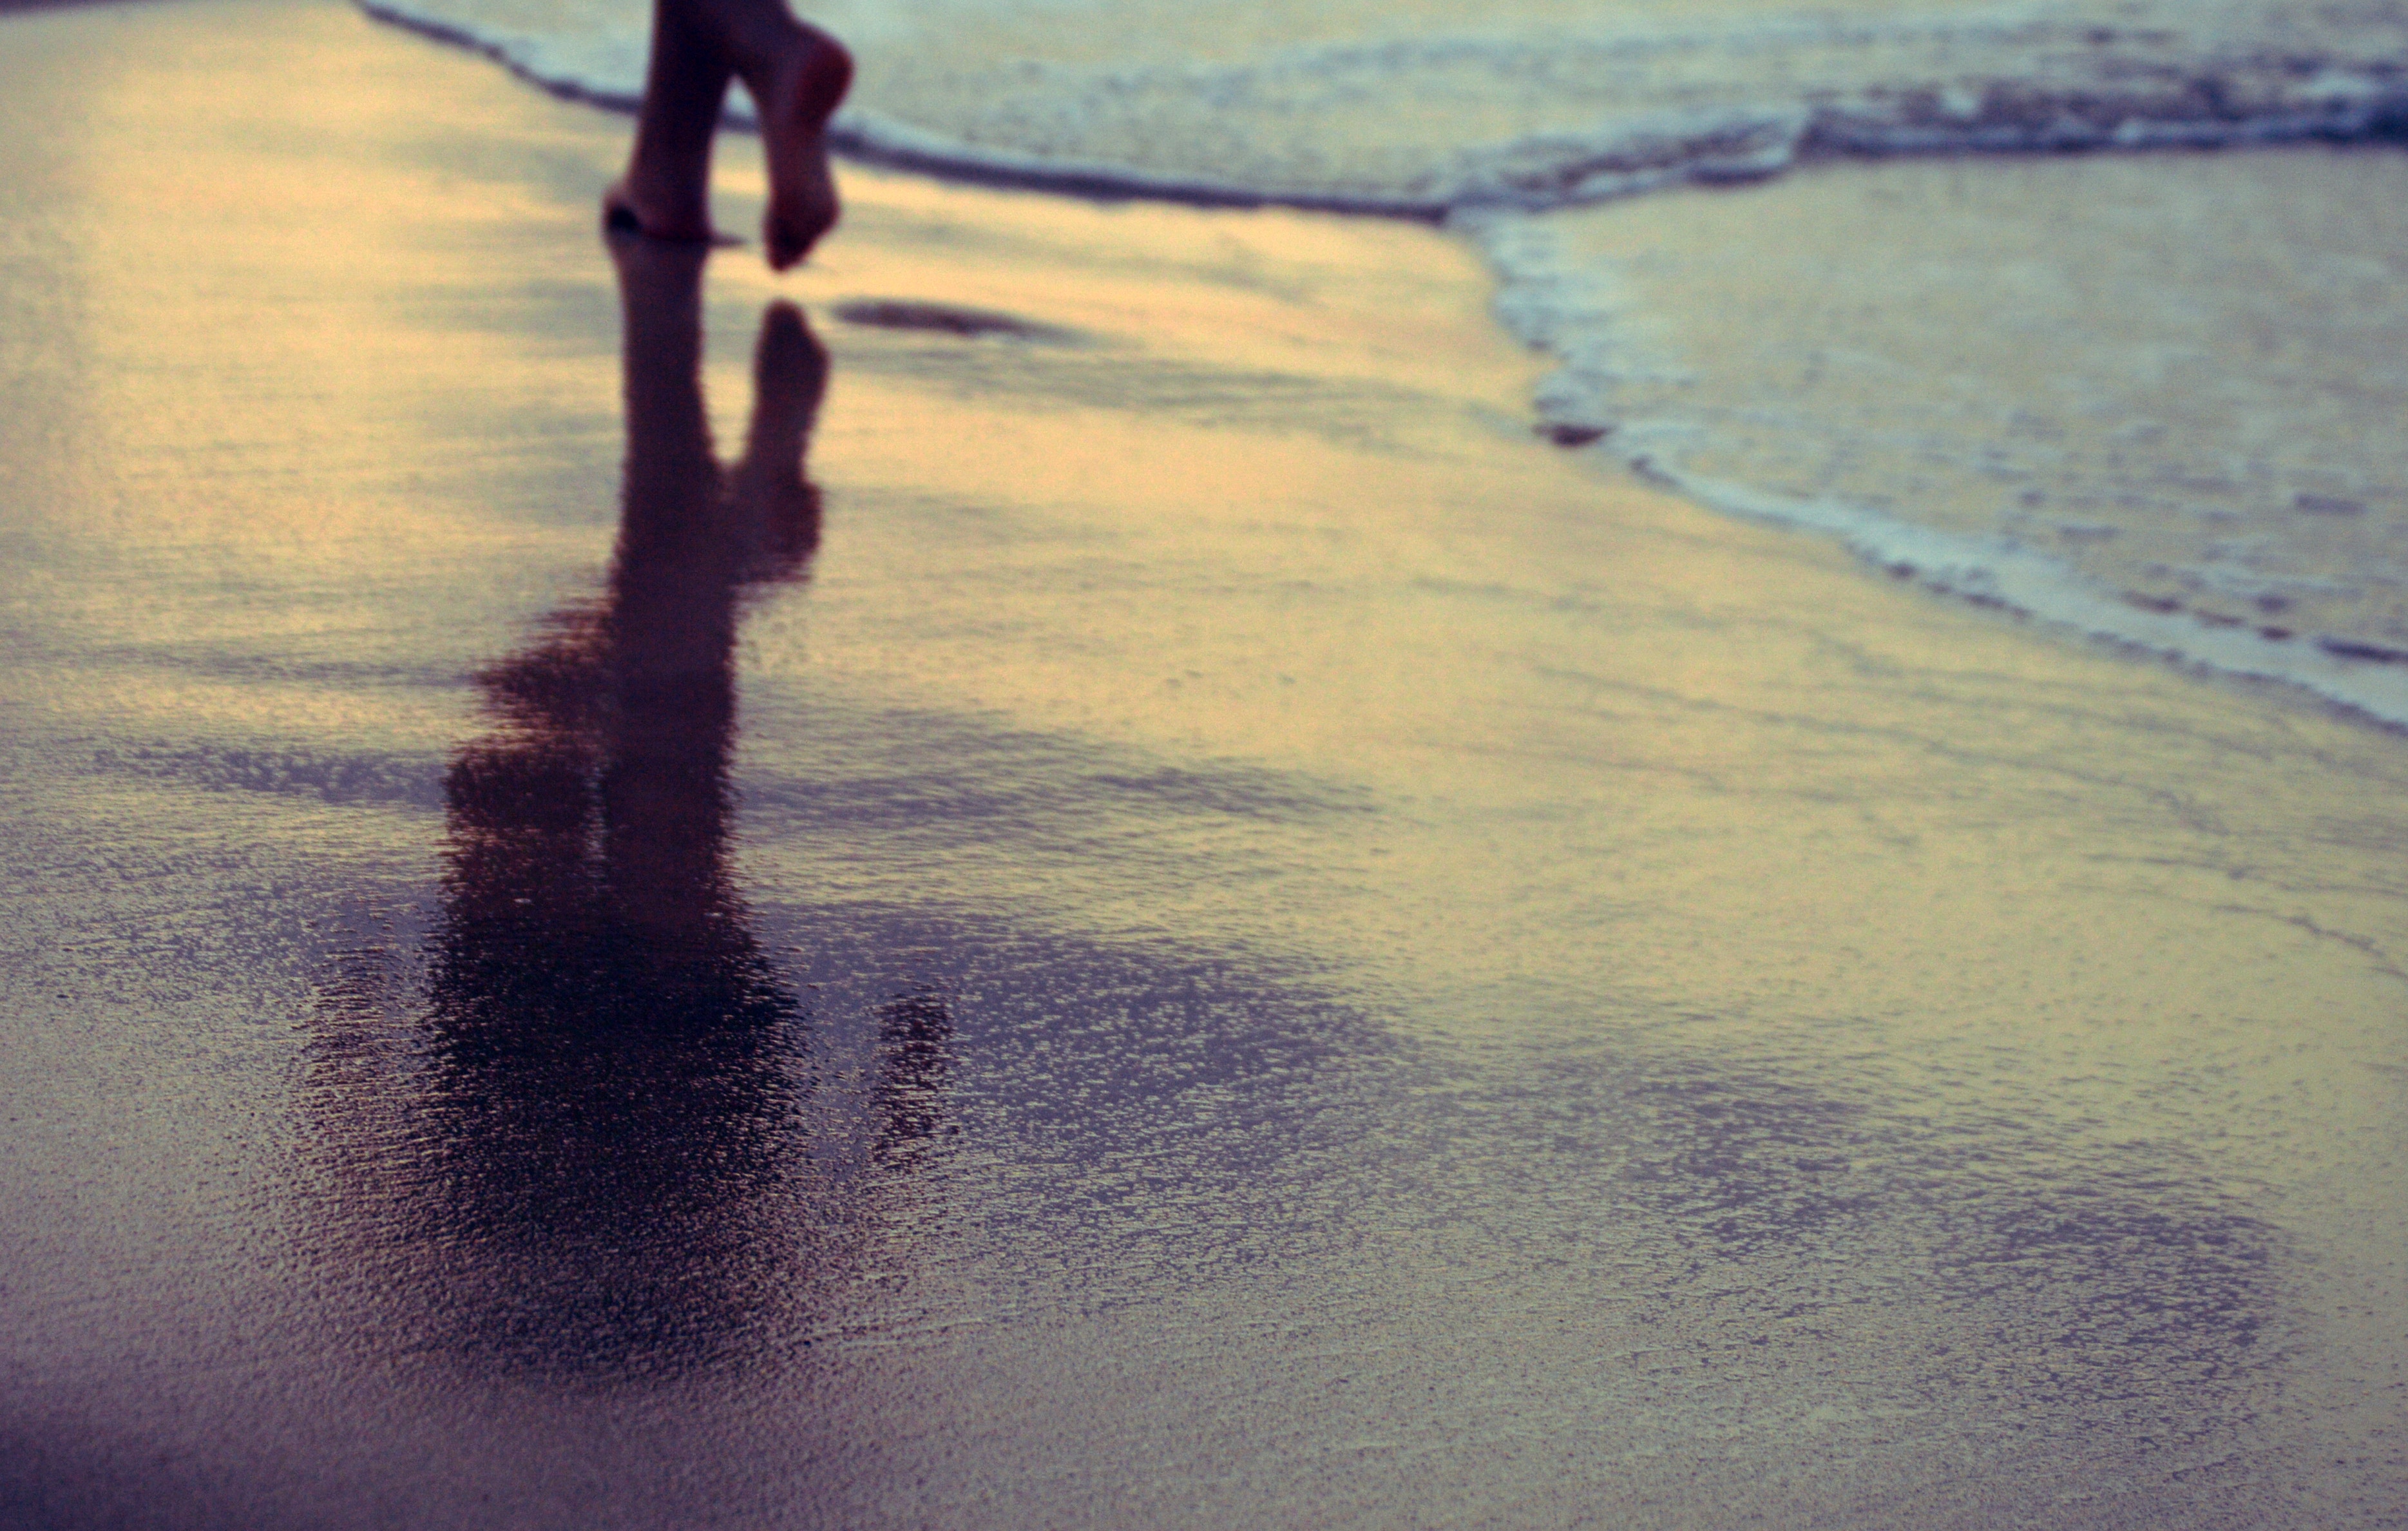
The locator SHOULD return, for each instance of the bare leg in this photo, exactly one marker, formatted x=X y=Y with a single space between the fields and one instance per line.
x=667 y=190
x=797 y=95
x=795 y=75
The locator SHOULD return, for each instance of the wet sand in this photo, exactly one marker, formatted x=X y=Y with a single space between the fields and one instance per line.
x=1193 y=927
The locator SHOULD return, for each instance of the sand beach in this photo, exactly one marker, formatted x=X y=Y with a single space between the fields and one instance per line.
x=1199 y=925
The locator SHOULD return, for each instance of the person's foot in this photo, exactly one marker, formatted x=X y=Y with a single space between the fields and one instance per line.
x=795 y=102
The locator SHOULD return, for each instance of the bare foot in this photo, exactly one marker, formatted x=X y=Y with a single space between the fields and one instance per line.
x=796 y=99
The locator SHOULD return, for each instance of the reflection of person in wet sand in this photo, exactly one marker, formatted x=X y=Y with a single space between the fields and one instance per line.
x=795 y=75
x=612 y=1034
x=598 y=1161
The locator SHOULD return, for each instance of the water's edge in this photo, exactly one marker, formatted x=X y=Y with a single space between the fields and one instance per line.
x=1572 y=317
x=2338 y=102
x=1489 y=202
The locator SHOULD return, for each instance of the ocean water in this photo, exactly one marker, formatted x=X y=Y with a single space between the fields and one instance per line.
x=2151 y=393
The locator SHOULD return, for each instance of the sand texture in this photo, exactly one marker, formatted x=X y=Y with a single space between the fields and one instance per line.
x=1195 y=927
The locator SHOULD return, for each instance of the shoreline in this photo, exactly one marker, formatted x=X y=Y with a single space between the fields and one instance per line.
x=1645 y=155
x=1950 y=415
x=2362 y=679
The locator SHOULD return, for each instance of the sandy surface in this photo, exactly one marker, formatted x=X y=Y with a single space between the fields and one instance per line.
x=1201 y=930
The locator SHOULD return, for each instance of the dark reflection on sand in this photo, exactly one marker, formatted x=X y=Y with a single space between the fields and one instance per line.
x=581 y=1157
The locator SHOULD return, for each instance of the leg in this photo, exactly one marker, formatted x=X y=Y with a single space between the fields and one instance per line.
x=802 y=94
x=667 y=190
x=795 y=75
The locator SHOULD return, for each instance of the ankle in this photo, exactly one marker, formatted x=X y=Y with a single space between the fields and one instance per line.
x=673 y=208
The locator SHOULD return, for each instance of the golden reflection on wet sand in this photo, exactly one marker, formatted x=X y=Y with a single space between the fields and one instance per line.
x=1813 y=1012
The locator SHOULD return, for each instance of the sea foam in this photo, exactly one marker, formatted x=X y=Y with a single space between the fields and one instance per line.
x=1429 y=106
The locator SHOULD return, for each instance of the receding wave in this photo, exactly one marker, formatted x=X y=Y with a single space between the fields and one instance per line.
x=2164 y=400
x=1425 y=107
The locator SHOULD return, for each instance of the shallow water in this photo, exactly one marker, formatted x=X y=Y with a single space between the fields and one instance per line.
x=1187 y=926
x=2157 y=397
x=1435 y=105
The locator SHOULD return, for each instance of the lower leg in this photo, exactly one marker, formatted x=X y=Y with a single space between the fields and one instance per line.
x=667 y=190
x=795 y=75
x=796 y=96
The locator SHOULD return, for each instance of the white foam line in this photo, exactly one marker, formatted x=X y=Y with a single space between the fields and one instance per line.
x=2007 y=575
x=1621 y=157
x=872 y=137
x=1577 y=312
x=898 y=143
x=513 y=55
